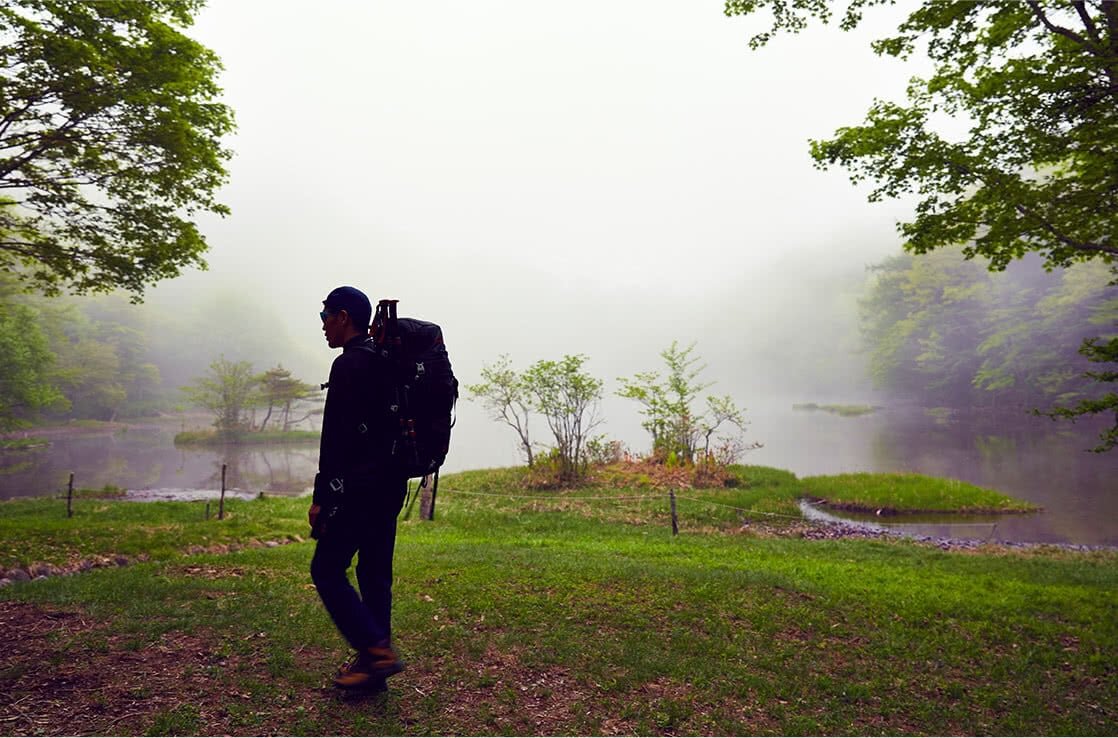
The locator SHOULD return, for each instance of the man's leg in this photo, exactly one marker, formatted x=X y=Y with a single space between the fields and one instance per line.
x=374 y=562
x=332 y=557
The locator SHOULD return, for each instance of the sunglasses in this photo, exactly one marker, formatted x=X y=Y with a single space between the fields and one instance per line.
x=325 y=314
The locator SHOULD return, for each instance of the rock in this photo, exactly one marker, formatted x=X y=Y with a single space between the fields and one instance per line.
x=19 y=575
x=5 y=583
x=271 y=544
x=122 y=560
x=297 y=538
x=38 y=570
x=40 y=578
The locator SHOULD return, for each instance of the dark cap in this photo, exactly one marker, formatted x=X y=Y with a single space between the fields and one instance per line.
x=354 y=302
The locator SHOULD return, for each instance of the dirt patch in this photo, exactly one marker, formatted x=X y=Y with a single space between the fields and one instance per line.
x=68 y=674
x=499 y=693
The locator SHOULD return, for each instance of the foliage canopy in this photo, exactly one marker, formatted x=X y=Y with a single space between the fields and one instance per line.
x=1037 y=82
x=109 y=143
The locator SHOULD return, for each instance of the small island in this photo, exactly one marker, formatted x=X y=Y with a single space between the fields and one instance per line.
x=219 y=438
x=845 y=411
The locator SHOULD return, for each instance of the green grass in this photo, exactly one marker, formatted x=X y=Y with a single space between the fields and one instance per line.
x=846 y=411
x=544 y=613
x=901 y=493
x=213 y=438
x=38 y=531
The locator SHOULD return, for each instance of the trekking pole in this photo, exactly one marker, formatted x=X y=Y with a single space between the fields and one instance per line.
x=70 y=497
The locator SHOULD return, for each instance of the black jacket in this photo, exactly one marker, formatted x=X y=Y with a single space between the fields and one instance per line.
x=355 y=442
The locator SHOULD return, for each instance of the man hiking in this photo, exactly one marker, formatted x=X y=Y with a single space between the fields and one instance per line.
x=356 y=497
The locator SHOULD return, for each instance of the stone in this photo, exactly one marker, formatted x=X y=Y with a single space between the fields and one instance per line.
x=122 y=560
x=5 y=583
x=19 y=575
x=271 y=544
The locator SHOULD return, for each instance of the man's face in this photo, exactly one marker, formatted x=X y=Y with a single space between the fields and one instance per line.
x=334 y=323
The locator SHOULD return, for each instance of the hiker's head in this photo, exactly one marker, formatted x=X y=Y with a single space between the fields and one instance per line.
x=345 y=313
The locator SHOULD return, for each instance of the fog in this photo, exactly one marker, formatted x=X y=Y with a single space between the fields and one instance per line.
x=601 y=179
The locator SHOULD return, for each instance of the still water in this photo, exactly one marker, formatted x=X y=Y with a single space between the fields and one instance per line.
x=1026 y=457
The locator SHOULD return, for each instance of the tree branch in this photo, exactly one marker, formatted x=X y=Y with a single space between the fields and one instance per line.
x=1088 y=23
x=1077 y=245
x=50 y=140
x=1060 y=30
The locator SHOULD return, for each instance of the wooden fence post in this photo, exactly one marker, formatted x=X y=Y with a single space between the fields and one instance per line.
x=221 y=504
x=70 y=497
x=675 y=518
x=426 y=499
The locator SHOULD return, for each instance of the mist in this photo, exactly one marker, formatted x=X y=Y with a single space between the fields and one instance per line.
x=602 y=181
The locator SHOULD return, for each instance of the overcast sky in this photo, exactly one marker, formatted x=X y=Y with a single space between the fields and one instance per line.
x=542 y=179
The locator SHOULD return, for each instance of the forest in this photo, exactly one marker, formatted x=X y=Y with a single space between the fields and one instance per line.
x=941 y=331
x=103 y=358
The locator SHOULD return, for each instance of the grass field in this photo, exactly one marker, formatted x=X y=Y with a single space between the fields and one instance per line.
x=566 y=613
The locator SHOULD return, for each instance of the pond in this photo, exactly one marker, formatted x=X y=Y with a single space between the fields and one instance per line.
x=1027 y=457
x=145 y=461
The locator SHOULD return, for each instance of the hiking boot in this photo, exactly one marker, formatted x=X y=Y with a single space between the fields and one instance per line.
x=369 y=668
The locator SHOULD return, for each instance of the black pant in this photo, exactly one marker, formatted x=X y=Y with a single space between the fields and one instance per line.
x=367 y=529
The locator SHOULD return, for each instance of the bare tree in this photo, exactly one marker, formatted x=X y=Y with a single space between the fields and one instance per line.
x=503 y=393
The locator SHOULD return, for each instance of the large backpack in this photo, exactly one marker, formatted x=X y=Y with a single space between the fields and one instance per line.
x=422 y=392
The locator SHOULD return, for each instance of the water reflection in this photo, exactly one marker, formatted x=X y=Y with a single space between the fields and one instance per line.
x=971 y=527
x=1023 y=456
x=148 y=460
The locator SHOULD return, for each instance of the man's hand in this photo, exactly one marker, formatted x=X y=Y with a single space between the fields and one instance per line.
x=312 y=514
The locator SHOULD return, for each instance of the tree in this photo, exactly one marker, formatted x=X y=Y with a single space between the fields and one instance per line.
x=676 y=427
x=1102 y=353
x=279 y=390
x=228 y=391
x=506 y=396
x=26 y=369
x=945 y=332
x=109 y=143
x=1037 y=81
x=568 y=399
